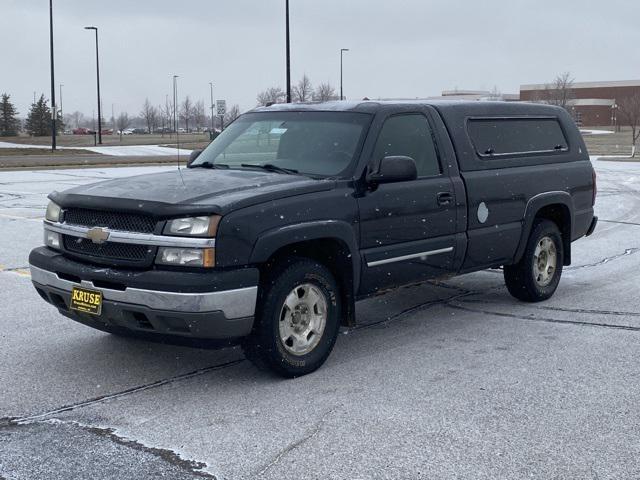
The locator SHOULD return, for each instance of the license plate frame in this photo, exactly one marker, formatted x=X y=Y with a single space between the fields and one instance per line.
x=86 y=300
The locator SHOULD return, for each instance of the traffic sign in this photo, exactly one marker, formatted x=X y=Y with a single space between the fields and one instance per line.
x=221 y=107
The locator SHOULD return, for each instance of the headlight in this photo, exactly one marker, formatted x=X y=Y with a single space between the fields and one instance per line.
x=193 y=226
x=53 y=212
x=52 y=239
x=187 y=257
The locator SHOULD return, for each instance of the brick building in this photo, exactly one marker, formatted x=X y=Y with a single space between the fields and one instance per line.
x=594 y=104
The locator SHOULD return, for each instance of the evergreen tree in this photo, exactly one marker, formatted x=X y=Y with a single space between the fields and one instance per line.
x=38 y=122
x=9 y=124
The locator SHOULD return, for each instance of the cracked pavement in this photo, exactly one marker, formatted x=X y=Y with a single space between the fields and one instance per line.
x=452 y=379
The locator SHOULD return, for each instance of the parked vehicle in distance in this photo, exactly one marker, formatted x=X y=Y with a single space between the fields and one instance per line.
x=139 y=131
x=294 y=213
x=83 y=131
x=126 y=131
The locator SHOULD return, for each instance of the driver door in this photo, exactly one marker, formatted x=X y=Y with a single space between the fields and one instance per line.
x=407 y=229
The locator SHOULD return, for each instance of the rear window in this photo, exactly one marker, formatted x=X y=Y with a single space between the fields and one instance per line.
x=493 y=137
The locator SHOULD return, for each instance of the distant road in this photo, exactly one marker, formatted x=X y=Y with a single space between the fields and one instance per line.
x=75 y=160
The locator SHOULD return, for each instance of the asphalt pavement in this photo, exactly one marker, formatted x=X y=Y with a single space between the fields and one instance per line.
x=451 y=379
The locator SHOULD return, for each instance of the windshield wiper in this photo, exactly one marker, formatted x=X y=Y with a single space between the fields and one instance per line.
x=270 y=167
x=214 y=166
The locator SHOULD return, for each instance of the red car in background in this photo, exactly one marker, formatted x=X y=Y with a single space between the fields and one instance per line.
x=88 y=131
x=83 y=131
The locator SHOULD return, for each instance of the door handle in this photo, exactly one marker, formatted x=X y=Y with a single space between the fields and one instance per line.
x=445 y=198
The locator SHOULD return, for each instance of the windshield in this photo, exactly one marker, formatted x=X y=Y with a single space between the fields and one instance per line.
x=314 y=143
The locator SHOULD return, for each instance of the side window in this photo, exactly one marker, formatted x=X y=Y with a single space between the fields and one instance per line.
x=409 y=135
x=516 y=136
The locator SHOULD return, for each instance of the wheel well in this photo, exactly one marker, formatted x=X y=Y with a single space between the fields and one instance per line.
x=333 y=254
x=560 y=215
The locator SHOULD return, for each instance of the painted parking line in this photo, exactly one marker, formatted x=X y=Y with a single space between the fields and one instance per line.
x=20 y=271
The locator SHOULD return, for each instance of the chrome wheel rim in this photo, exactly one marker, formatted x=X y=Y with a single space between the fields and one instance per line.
x=545 y=260
x=303 y=318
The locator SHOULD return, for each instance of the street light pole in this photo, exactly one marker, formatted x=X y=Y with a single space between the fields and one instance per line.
x=288 y=57
x=98 y=83
x=212 y=126
x=53 y=83
x=342 y=50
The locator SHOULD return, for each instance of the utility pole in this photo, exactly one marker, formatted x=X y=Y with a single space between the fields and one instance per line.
x=53 y=83
x=98 y=83
x=175 y=103
x=61 y=116
x=288 y=57
x=169 y=122
x=212 y=117
x=342 y=50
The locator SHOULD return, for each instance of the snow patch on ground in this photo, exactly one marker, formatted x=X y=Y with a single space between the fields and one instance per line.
x=114 y=150
x=138 y=151
x=596 y=132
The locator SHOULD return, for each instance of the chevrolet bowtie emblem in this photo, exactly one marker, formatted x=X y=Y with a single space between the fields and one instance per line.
x=98 y=235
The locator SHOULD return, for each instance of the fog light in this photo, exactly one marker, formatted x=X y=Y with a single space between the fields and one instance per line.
x=186 y=257
x=52 y=239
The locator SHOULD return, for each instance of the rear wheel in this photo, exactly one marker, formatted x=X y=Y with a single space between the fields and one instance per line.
x=536 y=277
x=297 y=319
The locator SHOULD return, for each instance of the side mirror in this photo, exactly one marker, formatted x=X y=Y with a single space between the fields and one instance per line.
x=394 y=169
x=194 y=154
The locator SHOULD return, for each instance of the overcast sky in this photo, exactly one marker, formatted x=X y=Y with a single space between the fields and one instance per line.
x=400 y=48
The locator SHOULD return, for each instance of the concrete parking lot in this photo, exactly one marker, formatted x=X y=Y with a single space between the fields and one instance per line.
x=452 y=379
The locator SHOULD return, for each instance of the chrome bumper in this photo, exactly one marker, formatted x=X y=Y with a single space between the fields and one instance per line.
x=240 y=303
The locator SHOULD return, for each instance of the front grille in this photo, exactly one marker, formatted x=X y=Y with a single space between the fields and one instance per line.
x=125 y=222
x=108 y=250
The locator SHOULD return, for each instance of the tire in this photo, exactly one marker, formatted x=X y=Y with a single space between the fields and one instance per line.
x=289 y=336
x=536 y=277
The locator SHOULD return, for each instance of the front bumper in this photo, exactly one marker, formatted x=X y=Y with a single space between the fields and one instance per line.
x=211 y=305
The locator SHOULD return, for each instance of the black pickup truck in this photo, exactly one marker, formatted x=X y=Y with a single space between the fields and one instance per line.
x=295 y=212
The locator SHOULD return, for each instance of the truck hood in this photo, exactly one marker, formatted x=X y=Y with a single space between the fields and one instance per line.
x=189 y=191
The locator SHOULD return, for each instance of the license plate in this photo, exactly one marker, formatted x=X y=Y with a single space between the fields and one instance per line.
x=86 y=300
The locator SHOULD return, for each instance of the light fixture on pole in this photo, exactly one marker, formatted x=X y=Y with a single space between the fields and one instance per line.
x=98 y=84
x=342 y=50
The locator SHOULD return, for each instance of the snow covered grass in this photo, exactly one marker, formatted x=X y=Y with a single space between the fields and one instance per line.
x=112 y=150
x=596 y=132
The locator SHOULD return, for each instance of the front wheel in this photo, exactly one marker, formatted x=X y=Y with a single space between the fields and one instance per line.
x=297 y=320
x=536 y=277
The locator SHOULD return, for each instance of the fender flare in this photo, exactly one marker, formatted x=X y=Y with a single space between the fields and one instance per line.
x=272 y=240
x=534 y=205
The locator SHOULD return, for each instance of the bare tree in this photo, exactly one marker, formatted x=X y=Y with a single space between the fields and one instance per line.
x=303 y=91
x=560 y=92
x=629 y=113
x=122 y=122
x=166 y=114
x=271 y=95
x=77 y=117
x=199 y=114
x=186 y=112
x=495 y=93
x=324 y=93
x=149 y=113
x=232 y=114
